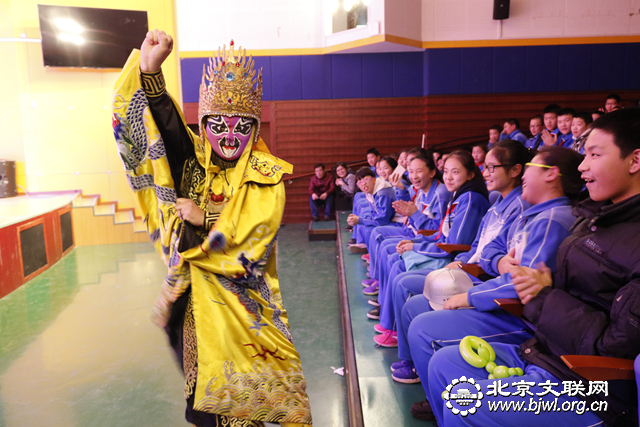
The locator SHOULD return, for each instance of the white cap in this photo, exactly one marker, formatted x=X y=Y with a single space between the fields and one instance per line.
x=440 y=285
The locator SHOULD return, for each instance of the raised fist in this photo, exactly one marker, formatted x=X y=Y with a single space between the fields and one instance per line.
x=154 y=50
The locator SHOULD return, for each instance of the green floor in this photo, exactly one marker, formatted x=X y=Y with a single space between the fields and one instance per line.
x=77 y=347
x=384 y=401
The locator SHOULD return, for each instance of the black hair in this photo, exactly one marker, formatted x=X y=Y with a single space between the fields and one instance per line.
x=418 y=151
x=551 y=108
x=405 y=150
x=511 y=153
x=364 y=172
x=482 y=145
x=586 y=117
x=344 y=165
x=465 y=158
x=496 y=127
x=613 y=96
x=599 y=113
x=624 y=126
x=431 y=165
x=567 y=161
x=319 y=165
x=513 y=121
x=393 y=163
x=373 y=151
x=567 y=112
x=538 y=117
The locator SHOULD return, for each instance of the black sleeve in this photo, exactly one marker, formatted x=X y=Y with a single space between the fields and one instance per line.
x=569 y=326
x=174 y=134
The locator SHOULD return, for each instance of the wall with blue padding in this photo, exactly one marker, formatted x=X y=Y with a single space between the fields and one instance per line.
x=454 y=71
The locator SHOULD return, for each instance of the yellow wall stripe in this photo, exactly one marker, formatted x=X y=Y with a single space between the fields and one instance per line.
x=426 y=45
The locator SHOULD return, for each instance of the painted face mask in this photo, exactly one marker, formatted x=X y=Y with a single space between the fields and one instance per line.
x=229 y=136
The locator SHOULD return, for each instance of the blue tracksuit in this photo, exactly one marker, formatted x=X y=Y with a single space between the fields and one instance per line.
x=381 y=212
x=500 y=217
x=459 y=227
x=536 y=235
x=447 y=365
x=565 y=140
x=428 y=217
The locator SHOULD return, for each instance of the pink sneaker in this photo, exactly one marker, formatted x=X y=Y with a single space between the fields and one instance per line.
x=365 y=257
x=387 y=339
x=380 y=329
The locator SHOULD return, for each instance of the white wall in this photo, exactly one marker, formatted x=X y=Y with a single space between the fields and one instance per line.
x=472 y=19
x=203 y=25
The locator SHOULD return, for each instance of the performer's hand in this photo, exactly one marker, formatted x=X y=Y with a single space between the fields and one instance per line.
x=457 y=301
x=188 y=211
x=508 y=262
x=529 y=282
x=154 y=50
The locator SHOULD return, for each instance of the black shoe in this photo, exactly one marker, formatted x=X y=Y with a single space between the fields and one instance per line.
x=375 y=314
x=348 y=228
x=316 y=218
x=351 y=242
x=328 y=218
x=422 y=411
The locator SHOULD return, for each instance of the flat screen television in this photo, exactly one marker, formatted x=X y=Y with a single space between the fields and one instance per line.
x=84 y=37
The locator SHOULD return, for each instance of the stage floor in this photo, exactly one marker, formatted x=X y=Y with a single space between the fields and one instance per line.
x=21 y=208
x=384 y=401
x=77 y=347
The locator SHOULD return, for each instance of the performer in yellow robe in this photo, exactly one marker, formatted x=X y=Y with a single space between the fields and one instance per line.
x=212 y=205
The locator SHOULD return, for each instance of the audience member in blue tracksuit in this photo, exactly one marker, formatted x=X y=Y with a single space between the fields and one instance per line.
x=588 y=307
x=479 y=152
x=360 y=203
x=424 y=212
x=535 y=127
x=512 y=131
x=380 y=196
x=533 y=238
x=565 y=118
x=503 y=173
x=460 y=225
x=580 y=128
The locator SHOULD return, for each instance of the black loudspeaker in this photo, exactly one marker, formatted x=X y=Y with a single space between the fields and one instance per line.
x=501 y=9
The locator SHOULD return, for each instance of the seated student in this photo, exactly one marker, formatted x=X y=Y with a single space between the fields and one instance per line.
x=346 y=186
x=550 y=131
x=611 y=103
x=505 y=165
x=423 y=212
x=359 y=199
x=549 y=182
x=494 y=135
x=441 y=160
x=380 y=196
x=479 y=152
x=535 y=127
x=321 y=193
x=464 y=213
x=596 y=115
x=589 y=306
x=511 y=130
x=565 y=118
x=580 y=130
x=373 y=157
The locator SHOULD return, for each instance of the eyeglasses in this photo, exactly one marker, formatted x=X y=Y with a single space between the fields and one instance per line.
x=542 y=166
x=492 y=168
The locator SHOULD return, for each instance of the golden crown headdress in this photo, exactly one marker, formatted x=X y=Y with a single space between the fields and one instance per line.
x=227 y=87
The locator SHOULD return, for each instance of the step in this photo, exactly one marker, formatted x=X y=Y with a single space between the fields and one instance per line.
x=84 y=202
x=106 y=209
x=123 y=217
x=139 y=226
